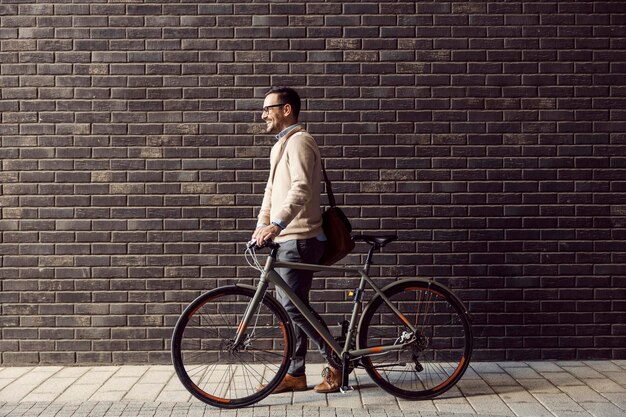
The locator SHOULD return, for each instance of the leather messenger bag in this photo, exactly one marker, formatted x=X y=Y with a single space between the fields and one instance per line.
x=337 y=229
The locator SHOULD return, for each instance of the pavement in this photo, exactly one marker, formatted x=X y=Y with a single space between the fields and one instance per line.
x=491 y=389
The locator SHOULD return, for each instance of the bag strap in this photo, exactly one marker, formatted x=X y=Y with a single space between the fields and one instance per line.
x=283 y=147
x=329 y=189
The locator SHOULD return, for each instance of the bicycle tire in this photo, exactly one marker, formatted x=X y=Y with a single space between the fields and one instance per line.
x=214 y=371
x=442 y=347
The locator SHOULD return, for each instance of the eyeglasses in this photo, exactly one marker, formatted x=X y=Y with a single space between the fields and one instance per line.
x=267 y=108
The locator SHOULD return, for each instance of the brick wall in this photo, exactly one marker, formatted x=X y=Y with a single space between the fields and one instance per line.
x=490 y=136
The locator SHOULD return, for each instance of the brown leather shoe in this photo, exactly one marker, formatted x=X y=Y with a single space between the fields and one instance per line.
x=289 y=383
x=331 y=381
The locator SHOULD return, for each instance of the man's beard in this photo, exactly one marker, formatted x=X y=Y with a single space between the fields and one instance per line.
x=272 y=128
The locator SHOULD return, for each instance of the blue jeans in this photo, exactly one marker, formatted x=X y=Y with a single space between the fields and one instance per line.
x=308 y=251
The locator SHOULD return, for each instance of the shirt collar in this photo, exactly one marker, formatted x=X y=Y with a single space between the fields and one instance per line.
x=286 y=131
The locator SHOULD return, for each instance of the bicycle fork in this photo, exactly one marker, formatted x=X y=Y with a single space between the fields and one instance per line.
x=251 y=309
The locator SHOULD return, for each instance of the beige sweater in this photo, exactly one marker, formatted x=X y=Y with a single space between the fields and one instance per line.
x=293 y=196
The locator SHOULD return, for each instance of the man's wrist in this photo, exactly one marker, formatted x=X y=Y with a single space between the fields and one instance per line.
x=279 y=223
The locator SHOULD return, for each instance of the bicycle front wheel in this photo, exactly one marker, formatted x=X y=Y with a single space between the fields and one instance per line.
x=215 y=369
x=433 y=358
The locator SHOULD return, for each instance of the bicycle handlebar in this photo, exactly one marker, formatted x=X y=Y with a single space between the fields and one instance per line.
x=267 y=244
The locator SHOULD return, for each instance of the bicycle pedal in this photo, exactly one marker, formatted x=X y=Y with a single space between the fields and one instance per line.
x=346 y=390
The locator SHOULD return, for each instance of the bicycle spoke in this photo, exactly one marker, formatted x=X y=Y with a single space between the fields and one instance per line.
x=428 y=363
x=209 y=363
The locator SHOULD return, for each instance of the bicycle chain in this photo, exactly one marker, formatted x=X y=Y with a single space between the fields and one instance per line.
x=333 y=358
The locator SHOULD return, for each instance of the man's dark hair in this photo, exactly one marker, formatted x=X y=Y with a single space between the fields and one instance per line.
x=288 y=96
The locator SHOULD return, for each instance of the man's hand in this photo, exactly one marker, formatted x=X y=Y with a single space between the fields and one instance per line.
x=264 y=233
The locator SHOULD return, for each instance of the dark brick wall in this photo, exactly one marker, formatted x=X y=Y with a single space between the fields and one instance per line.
x=490 y=136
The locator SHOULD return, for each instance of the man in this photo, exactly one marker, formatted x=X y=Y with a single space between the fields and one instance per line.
x=290 y=215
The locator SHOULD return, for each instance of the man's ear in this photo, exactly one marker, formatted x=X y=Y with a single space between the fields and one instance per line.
x=287 y=110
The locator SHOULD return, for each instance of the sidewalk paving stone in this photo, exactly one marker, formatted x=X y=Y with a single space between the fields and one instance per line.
x=617 y=399
x=532 y=389
x=558 y=402
x=545 y=366
x=529 y=409
x=498 y=379
x=515 y=395
x=602 y=366
x=522 y=372
x=603 y=409
x=491 y=403
x=415 y=406
x=512 y=364
x=49 y=389
x=619 y=377
x=454 y=405
x=560 y=379
x=485 y=367
x=583 y=394
x=582 y=372
x=26 y=383
x=538 y=386
x=144 y=392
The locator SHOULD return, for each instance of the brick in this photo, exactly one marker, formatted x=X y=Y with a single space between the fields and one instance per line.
x=487 y=135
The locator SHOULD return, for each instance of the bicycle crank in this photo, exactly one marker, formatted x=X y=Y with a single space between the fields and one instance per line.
x=418 y=365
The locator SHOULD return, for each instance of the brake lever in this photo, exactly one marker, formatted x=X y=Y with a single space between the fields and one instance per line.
x=252 y=244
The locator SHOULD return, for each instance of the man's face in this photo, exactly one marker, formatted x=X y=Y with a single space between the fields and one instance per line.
x=274 y=114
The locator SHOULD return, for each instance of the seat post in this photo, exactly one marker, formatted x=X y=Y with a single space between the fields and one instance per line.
x=370 y=255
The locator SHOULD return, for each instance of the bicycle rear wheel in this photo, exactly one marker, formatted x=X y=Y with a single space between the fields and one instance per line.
x=434 y=358
x=209 y=364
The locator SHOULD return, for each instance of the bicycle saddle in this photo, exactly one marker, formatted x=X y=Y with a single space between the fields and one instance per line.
x=378 y=241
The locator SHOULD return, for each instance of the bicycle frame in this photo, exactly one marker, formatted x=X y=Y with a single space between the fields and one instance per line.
x=233 y=345
x=269 y=275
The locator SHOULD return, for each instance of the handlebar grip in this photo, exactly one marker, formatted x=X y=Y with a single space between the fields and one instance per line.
x=252 y=244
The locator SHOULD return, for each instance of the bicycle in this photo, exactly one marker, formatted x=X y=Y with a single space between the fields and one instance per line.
x=232 y=345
